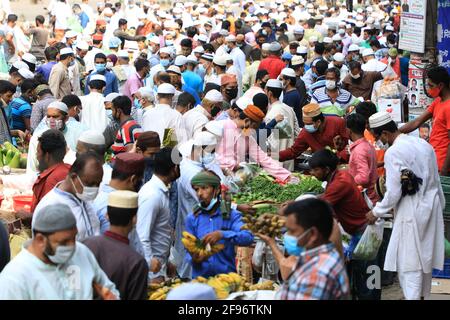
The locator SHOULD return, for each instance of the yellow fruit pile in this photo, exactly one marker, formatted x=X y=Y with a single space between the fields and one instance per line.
x=196 y=246
x=223 y=284
x=159 y=291
x=266 y=285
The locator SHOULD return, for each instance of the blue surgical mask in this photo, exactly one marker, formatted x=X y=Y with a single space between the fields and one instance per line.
x=310 y=128
x=207 y=158
x=137 y=104
x=100 y=67
x=169 y=43
x=164 y=62
x=291 y=244
x=211 y=204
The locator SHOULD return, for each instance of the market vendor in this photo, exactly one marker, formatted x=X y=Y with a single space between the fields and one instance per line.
x=318 y=133
x=213 y=226
x=237 y=144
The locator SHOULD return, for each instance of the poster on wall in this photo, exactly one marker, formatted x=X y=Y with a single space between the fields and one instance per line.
x=443 y=33
x=417 y=99
x=412 y=25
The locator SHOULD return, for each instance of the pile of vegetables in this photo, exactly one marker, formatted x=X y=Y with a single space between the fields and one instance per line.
x=265 y=187
x=12 y=157
x=268 y=224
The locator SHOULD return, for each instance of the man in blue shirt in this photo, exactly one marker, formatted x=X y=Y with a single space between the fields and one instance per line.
x=176 y=81
x=21 y=107
x=112 y=84
x=211 y=225
x=50 y=56
x=190 y=77
x=82 y=16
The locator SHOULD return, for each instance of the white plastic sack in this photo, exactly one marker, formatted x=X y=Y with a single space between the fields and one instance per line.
x=370 y=242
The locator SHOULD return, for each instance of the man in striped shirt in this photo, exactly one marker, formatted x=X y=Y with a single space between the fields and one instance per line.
x=129 y=129
x=319 y=273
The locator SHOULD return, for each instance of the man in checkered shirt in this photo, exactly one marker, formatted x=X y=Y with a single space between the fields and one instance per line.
x=320 y=272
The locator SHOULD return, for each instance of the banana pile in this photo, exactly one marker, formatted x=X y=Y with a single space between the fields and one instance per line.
x=159 y=291
x=265 y=285
x=267 y=224
x=223 y=284
x=196 y=246
x=12 y=157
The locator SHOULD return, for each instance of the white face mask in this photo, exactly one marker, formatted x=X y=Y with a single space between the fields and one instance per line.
x=62 y=254
x=88 y=194
x=54 y=124
x=355 y=76
x=109 y=65
x=330 y=84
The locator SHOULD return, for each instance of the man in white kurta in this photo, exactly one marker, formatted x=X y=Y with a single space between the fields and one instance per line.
x=283 y=138
x=94 y=114
x=37 y=273
x=417 y=241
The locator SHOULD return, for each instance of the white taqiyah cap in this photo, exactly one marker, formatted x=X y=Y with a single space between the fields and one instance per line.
x=220 y=60
x=214 y=96
x=204 y=138
x=215 y=127
x=273 y=83
x=302 y=50
x=28 y=57
x=165 y=50
x=288 y=72
x=92 y=137
x=338 y=57
x=243 y=103
x=297 y=60
x=58 y=105
x=367 y=52
x=154 y=39
x=166 y=88
x=198 y=49
x=230 y=38
x=110 y=97
x=66 y=51
x=20 y=64
x=70 y=34
x=336 y=37
x=353 y=48
x=174 y=69
x=180 y=61
x=98 y=77
x=26 y=73
x=123 y=199
x=123 y=54
x=203 y=38
x=313 y=39
x=389 y=28
x=299 y=30
x=327 y=40
x=191 y=58
x=265 y=46
x=379 y=119
x=275 y=46
x=82 y=45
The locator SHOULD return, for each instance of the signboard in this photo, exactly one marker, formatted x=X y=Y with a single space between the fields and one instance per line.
x=417 y=98
x=412 y=25
x=443 y=33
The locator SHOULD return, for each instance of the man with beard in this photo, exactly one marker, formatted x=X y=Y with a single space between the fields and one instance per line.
x=360 y=83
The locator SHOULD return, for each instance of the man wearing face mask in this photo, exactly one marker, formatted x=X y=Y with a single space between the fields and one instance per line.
x=93 y=114
x=203 y=223
x=154 y=46
x=129 y=271
x=417 y=205
x=350 y=210
x=360 y=83
x=165 y=54
x=78 y=191
x=236 y=53
x=352 y=54
x=332 y=99
x=437 y=86
x=56 y=118
x=318 y=133
x=241 y=44
x=229 y=89
x=59 y=81
x=154 y=218
x=112 y=84
x=262 y=76
x=21 y=107
x=44 y=98
x=319 y=272
x=50 y=259
x=148 y=144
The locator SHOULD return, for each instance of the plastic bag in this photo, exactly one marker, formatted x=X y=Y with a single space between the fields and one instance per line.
x=370 y=242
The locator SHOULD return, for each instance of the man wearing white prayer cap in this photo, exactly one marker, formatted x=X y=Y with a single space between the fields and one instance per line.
x=418 y=206
x=338 y=62
x=58 y=81
x=30 y=60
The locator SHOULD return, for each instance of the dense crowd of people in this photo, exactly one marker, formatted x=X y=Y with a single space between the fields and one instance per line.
x=136 y=115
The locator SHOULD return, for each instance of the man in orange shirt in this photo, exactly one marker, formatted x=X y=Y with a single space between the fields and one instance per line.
x=438 y=81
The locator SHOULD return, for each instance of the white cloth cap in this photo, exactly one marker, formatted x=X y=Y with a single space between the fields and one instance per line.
x=204 y=138
x=265 y=46
x=191 y=58
x=275 y=46
x=313 y=39
x=82 y=45
x=123 y=54
x=198 y=49
x=230 y=38
x=353 y=48
x=288 y=72
x=26 y=73
x=243 y=103
x=215 y=127
x=154 y=39
x=97 y=77
x=165 y=50
x=367 y=52
x=336 y=37
x=66 y=51
x=110 y=97
x=58 y=105
x=302 y=50
x=203 y=38
x=220 y=60
x=338 y=57
x=180 y=61
x=70 y=34
x=299 y=30
x=166 y=88
x=389 y=28
x=20 y=65
x=174 y=69
x=28 y=57
x=379 y=119
x=214 y=96
x=92 y=137
x=327 y=40
x=297 y=60
x=274 y=83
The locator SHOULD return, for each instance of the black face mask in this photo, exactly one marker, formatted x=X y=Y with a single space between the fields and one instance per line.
x=263 y=84
x=232 y=93
x=215 y=111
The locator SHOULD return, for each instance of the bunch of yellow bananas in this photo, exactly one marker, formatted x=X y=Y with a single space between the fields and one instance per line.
x=224 y=284
x=158 y=291
x=196 y=246
x=265 y=285
x=160 y=294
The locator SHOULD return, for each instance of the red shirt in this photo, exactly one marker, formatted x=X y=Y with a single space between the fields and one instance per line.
x=333 y=126
x=441 y=125
x=47 y=180
x=273 y=65
x=127 y=134
x=348 y=204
